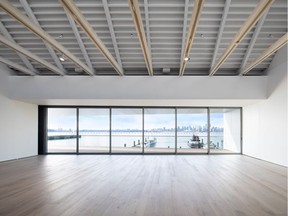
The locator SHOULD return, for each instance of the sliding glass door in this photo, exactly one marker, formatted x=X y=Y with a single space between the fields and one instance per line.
x=94 y=130
x=126 y=130
x=159 y=130
x=192 y=130
x=62 y=130
x=225 y=130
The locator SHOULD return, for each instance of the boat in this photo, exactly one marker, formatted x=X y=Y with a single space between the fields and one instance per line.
x=212 y=146
x=195 y=142
x=150 y=142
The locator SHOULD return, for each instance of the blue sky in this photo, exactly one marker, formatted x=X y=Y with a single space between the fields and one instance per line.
x=123 y=119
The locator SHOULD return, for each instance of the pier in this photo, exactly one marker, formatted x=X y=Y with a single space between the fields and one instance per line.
x=60 y=137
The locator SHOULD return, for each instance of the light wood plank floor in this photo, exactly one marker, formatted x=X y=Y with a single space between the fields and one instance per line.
x=116 y=185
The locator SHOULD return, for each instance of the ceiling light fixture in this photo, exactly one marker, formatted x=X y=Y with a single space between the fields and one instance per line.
x=261 y=9
x=78 y=17
x=186 y=59
x=25 y=21
x=272 y=49
x=136 y=15
x=197 y=9
x=61 y=58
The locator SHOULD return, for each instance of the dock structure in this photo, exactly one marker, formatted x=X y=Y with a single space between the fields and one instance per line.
x=60 y=137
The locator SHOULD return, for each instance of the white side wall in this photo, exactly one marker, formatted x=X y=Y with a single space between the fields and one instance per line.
x=265 y=123
x=18 y=125
x=232 y=130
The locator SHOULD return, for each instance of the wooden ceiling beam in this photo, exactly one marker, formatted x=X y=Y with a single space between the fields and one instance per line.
x=16 y=66
x=272 y=49
x=136 y=15
x=78 y=17
x=38 y=31
x=31 y=15
x=196 y=13
x=30 y=55
x=257 y=13
x=28 y=64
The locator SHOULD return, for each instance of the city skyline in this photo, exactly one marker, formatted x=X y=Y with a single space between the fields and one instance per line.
x=99 y=120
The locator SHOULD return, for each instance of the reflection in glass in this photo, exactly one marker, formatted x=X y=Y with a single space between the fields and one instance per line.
x=94 y=126
x=159 y=130
x=62 y=136
x=157 y=136
x=225 y=130
x=126 y=130
x=192 y=131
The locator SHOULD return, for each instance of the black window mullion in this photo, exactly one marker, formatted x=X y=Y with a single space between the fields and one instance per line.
x=77 y=130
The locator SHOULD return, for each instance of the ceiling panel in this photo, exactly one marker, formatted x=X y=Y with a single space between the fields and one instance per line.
x=165 y=20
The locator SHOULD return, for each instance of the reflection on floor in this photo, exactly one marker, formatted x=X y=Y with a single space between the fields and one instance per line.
x=139 y=150
x=137 y=185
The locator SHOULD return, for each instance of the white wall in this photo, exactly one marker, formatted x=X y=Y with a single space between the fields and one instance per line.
x=265 y=123
x=137 y=88
x=18 y=125
x=232 y=130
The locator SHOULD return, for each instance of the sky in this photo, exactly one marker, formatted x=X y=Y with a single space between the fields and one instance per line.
x=98 y=119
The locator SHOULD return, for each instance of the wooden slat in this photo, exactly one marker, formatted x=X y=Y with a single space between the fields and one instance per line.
x=75 y=13
x=29 y=54
x=16 y=66
x=256 y=14
x=25 y=21
x=272 y=49
x=197 y=9
x=136 y=14
x=136 y=185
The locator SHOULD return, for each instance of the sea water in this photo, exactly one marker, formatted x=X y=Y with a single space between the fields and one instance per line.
x=128 y=140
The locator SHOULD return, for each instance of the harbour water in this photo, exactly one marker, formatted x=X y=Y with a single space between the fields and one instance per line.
x=130 y=139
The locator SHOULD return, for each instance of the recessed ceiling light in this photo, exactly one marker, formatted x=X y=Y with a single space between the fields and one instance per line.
x=131 y=35
x=60 y=36
x=61 y=58
x=186 y=58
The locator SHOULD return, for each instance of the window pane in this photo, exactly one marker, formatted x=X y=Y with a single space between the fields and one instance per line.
x=192 y=131
x=61 y=130
x=127 y=130
x=94 y=125
x=225 y=131
x=159 y=130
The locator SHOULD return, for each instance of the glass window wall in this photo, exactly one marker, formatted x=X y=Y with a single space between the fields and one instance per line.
x=143 y=130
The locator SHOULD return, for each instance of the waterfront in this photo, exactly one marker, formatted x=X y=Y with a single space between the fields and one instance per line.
x=128 y=141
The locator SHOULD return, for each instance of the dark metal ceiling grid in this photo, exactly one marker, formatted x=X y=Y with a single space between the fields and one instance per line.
x=165 y=28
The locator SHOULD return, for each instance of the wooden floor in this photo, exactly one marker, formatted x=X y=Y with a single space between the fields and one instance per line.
x=116 y=185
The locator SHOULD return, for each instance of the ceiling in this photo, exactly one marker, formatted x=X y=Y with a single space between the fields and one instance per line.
x=165 y=24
